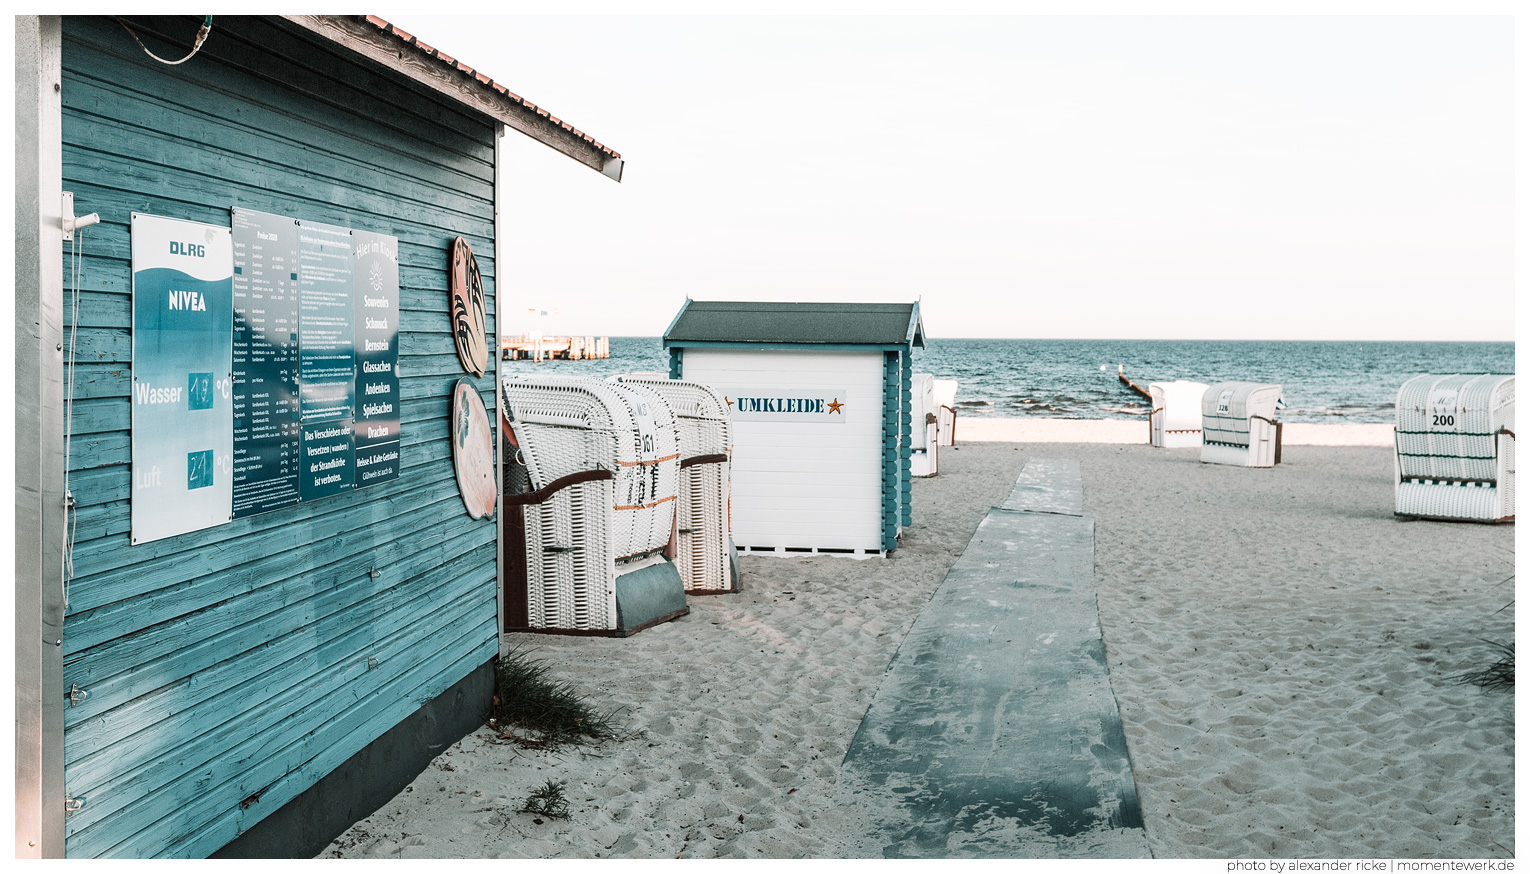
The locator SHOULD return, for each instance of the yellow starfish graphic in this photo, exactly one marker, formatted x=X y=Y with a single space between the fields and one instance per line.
x=834 y=406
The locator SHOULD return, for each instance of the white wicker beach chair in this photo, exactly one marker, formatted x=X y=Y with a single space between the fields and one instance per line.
x=925 y=424
x=703 y=547
x=1455 y=448
x=945 y=411
x=590 y=495
x=1238 y=424
x=1175 y=418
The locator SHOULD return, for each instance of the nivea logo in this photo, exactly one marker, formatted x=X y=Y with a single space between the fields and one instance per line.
x=195 y=250
x=187 y=300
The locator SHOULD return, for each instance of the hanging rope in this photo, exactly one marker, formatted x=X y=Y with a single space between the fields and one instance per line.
x=77 y=255
x=201 y=36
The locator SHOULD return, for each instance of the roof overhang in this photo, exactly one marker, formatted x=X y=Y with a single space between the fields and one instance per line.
x=916 y=328
x=784 y=346
x=382 y=43
x=795 y=325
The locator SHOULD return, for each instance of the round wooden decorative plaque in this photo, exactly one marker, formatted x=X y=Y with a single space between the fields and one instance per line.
x=468 y=320
x=473 y=450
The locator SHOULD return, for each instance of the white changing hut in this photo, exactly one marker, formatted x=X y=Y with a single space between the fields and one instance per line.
x=819 y=395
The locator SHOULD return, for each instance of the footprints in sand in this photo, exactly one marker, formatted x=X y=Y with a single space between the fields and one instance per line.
x=1283 y=676
x=1285 y=693
x=735 y=717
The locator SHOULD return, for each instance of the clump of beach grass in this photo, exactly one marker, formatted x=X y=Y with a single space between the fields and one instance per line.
x=1498 y=675
x=527 y=697
x=547 y=800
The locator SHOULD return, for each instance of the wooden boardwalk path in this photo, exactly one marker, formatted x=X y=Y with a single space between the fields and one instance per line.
x=995 y=733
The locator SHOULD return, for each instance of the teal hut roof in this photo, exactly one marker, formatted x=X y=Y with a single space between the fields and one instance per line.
x=716 y=322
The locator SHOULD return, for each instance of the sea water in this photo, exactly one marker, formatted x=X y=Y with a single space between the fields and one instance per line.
x=1076 y=379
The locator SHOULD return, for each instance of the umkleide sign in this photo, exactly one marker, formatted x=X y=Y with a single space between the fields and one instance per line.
x=786 y=405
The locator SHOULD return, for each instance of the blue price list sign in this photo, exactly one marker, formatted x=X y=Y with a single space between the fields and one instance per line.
x=326 y=360
x=266 y=432
x=326 y=327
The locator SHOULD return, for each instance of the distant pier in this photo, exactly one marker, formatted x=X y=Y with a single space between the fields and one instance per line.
x=532 y=347
x=1121 y=374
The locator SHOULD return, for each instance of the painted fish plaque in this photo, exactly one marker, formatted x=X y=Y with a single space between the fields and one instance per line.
x=468 y=320
x=473 y=450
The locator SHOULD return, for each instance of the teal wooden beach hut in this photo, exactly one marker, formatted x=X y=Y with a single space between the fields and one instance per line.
x=243 y=646
x=819 y=395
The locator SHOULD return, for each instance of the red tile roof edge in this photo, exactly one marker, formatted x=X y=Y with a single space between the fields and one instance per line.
x=484 y=81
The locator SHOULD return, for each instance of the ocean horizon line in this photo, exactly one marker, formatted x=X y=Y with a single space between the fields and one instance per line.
x=1079 y=339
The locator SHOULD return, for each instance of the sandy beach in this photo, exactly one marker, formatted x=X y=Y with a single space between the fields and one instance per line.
x=1281 y=646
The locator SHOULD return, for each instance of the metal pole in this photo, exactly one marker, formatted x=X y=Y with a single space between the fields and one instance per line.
x=498 y=298
x=39 y=449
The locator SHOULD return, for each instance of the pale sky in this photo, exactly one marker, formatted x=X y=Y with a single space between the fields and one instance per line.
x=1160 y=177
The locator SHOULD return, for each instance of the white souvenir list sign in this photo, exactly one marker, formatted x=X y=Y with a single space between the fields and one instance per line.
x=182 y=425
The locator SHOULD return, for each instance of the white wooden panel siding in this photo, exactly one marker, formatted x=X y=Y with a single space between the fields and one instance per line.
x=230 y=669
x=802 y=485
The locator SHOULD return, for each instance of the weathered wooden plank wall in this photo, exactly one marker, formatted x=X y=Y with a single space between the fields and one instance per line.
x=230 y=668
x=906 y=438
x=890 y=417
